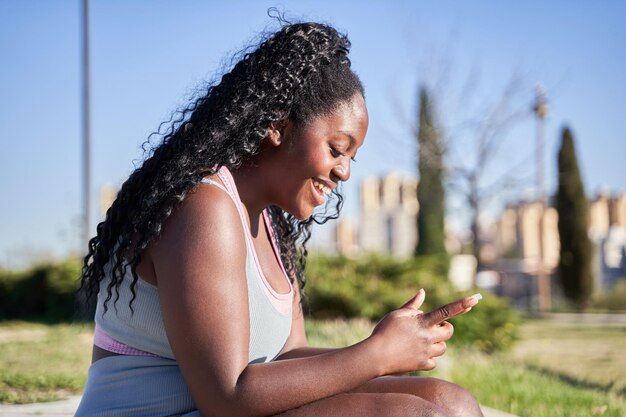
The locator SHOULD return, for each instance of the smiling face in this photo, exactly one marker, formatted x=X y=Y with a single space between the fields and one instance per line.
x=315 y=157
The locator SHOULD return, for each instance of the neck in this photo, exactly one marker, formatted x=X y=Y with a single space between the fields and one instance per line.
x=251 y=187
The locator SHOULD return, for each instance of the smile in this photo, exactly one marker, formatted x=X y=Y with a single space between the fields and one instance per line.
x=322 y=187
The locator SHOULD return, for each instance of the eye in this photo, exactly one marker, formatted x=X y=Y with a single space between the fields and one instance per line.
x=337 y=153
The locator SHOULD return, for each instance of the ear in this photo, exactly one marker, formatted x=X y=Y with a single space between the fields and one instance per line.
x=276 y=132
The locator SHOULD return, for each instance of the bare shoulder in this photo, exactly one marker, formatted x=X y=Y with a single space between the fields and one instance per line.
x=199 y=262
x=201 y=232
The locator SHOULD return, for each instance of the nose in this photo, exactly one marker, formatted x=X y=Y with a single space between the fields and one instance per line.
x=342 y=170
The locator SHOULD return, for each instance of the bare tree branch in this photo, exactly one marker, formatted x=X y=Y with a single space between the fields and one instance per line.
x=474 y=146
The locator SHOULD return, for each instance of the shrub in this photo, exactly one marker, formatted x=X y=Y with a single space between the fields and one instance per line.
x=613 y=300
x=45 y=291
x=370 y=287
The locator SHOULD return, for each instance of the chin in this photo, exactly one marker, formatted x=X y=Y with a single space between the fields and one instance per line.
x=300 y=213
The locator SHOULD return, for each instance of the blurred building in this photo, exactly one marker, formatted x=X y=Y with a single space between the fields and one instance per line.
x=605 y=212
x=518 y=235
x=608 y=232
x=388 y=218
x=347 y=237
x=107 y=196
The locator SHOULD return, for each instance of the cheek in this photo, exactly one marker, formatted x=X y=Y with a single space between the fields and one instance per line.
x=318 y=160
x=309 y=156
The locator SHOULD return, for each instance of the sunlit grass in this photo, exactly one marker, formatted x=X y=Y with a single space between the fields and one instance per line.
x=42 y=362
x=502 y=384
x=586 y=354
x=337 y=333
x=554 y=370
x=566 y=382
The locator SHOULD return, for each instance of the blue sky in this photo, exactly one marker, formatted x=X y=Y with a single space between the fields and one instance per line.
x=149 y=56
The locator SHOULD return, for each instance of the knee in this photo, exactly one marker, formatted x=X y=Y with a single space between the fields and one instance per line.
x=393 y=404
x=457 y=400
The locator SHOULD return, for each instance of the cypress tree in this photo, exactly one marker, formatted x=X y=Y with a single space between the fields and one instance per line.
x=430 y=191
x=576 y=248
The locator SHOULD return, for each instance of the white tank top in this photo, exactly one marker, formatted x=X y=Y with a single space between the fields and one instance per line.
x=143 y=329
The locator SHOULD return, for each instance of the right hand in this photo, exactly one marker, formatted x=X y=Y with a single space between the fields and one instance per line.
x=409 y=340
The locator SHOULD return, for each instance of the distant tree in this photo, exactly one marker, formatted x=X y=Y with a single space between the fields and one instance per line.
x=483 y=162
x=430 y=190
x=576 y=249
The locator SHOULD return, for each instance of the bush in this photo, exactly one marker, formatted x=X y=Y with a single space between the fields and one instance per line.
x=370 y=287
x=613 y=300
x=45 y=292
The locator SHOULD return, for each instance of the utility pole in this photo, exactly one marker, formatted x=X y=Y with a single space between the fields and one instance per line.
x=543 y=278
x=86 y=128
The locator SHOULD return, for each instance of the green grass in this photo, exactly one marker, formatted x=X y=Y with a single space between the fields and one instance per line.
x=555 y=370
x=591 y=355
x=42 y=362
x=500 y=383
x=337 y=333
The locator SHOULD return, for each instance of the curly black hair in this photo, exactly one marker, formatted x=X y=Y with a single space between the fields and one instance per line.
x=298 y=73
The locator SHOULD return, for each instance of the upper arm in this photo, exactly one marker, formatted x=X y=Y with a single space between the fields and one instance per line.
x=199 y=262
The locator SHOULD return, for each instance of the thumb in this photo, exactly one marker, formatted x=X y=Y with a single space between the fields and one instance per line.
x=416 y=302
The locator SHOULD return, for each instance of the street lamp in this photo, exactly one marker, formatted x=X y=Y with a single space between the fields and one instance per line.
x=540 y=108
x=86 y=128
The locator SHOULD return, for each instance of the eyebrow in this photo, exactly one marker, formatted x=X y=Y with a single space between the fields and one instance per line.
x=349 y=135
x=352 y=140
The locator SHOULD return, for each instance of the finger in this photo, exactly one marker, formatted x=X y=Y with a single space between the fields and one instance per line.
x=442 y=332
x=439 y=349
x=429 y=365
x=449 y=310
x=416 y=302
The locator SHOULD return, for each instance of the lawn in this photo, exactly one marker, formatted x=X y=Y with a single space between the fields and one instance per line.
x=42 y=362
x=500 y=383
x=554 y=370
x=573 y=369
x=585 y=354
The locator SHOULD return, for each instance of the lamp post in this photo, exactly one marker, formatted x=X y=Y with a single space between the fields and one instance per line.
x=540 y=109
x=86 y=128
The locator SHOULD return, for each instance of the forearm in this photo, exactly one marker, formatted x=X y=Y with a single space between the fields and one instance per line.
x=270 y=388
x=304 y=352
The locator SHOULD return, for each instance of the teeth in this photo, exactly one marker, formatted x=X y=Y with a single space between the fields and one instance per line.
x=321 y=187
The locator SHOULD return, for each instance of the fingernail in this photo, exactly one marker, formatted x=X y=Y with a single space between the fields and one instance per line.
x=470 y=302
x=477 y=296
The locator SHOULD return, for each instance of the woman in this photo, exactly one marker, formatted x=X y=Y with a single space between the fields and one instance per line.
x=198 y=267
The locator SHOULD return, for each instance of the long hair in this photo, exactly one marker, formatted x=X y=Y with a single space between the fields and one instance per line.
x=298 y=73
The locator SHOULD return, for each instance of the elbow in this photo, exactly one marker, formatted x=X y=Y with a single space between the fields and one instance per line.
x=231 y=404
x=224 y=407
x=243 y=396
